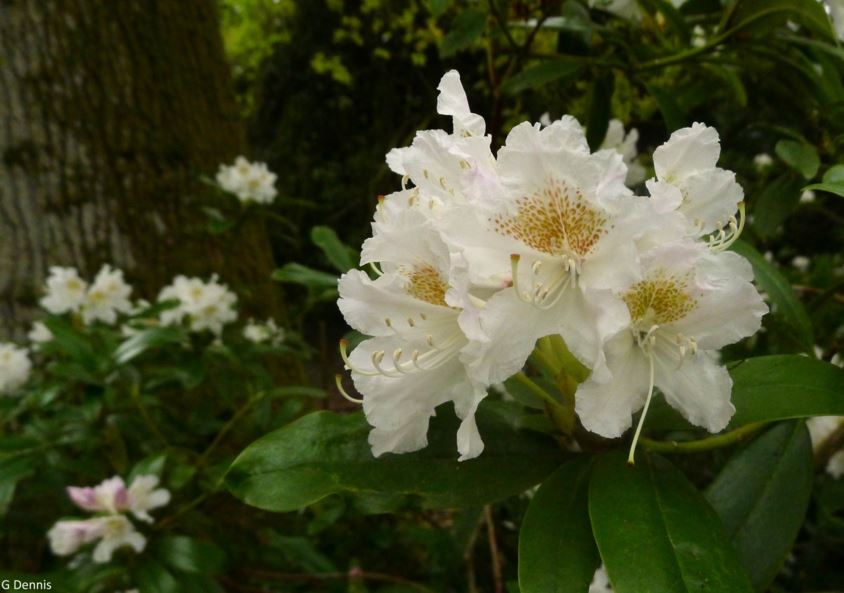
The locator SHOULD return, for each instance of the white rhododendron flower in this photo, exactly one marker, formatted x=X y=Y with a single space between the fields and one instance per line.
x=626 y=9
x=821 y=428
x=65 y=291
x=836 y=13
x=106 y=297
x=111 y=528
x=419 y=312
x=39 y=333
x=112 y=496
x=625 y=144
x=203 y=305
x=111 y=532
x=480 y=255
x=688 y=181
x=15 y=368
x=260 y=333
x=250 y=182
x=688 y=304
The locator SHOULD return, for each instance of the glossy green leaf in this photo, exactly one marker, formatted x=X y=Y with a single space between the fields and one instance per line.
x=800 y=156
x=761 y=16
x=154 y=337
x=438 y=7
x=785 y=302
x=775 y=203
x=655 y=531
x=335 y=251
x=557 y=553
x=834 y=174
x=465 y=29
x=12 y=471
x=768 y=388
x=187 y=554
x=294 y=273
x=832 y=187
x=762 y=494
x=600 y=107
x=325 y=452
x=152 y=577
x=541 y=74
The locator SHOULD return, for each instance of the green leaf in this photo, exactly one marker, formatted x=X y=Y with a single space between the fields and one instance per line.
x=324 y=453
x=540 y=75
x=301 y=553
x=655 y=531
x=762 y=494
x=672 y=115
x=834 y=174
x=294 y=273
x=800 y=156
x=152 y=465
x=833 y=187
x=761 y=16
x=190 y=555
x=775 y=203
x=782 y=387
x=340 y=256
x=784 y=300
x=154 y=337
x=557 y=553
x=600 y=106
x=13 y=471
x=152 y=577
x=438 y=7
x=465 y=29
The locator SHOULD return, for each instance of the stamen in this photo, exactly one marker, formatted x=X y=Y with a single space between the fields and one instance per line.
x=338 y=380
x=375 y=269
x=344 y=345
x=630 y=457
x=735 y=228
x=514 y=271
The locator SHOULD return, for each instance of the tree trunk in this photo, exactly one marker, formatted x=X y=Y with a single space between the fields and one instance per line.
x=109 y=113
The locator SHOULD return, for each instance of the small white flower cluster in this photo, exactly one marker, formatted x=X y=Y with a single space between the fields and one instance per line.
x=203 y=305
x=66 y=292
x=482 y=254
x=261 y=333
x=626 y=9
x=250 y=182
x=111 y=528
x=15 y=368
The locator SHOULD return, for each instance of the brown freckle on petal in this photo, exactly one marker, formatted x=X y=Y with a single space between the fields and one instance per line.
x=426 y=284
x=664 y=296
x=556 y=220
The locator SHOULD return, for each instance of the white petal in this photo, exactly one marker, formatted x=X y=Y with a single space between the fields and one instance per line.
x=711 y=198
x=607 y=407
x=698 y=388
x=452 y=101
x=688 y=151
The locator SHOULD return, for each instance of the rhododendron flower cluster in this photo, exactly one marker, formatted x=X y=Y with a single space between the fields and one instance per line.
x=110 y=527
x=480 y=255
x=15 y=368
x=250 y=182
x=108 y=295
x=202 y=305
x=264 y=333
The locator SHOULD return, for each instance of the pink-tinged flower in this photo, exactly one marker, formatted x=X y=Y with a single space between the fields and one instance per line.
x=110 y=496
x=66 y=537
x=144 y=496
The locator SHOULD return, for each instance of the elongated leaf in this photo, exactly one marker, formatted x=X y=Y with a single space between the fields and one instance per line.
x=189 y=555
x=834 y=174
x=294 y=273
x=466 y=28
x=780 y=387
x=782 y=296
x=324 y=453
x=340 y=256
x=152 y=577
x=762 y=495
x=557 y=553
x=775 y=203
x=656 y=533
x=760 y=16
x=802 y=157
x=541 y=74
x=147 y=339
x=672 y=114
x=600 y=107
x=833 y=187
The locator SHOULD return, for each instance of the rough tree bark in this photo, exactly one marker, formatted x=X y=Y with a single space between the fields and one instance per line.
x=109 y=112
